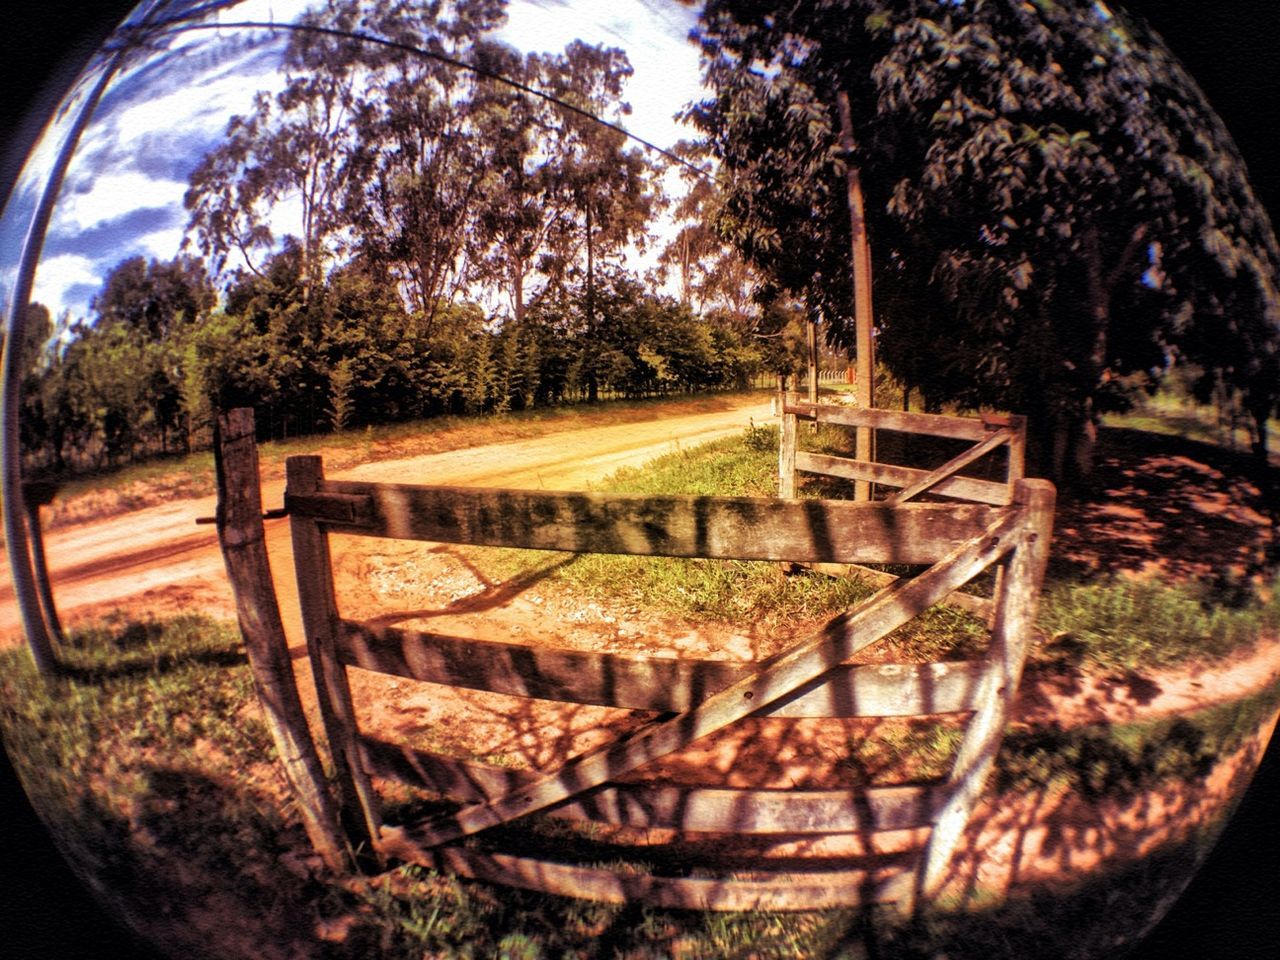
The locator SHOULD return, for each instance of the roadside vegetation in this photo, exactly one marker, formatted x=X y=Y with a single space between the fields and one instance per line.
x=115 y=490
x=1104 y=620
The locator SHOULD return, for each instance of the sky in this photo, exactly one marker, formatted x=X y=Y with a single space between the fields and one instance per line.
x=124 y=189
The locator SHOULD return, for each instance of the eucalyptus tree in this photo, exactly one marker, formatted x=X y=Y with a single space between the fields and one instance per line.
x=1055 y=211
x=525 y=201
x=607 y=188
x=712 y=275
x=418 y=171
x=291 y=147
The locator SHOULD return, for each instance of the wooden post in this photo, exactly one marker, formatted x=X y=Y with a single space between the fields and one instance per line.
x=864 y=391
x=241 y=535
x=1016 y=606
x=786 y=449
x=1017 y=468
x=811 y=336
x=360 y=810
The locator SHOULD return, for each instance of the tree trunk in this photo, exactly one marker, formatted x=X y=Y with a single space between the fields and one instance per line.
x=517 y=291
x=593 y=384
x=864 y=438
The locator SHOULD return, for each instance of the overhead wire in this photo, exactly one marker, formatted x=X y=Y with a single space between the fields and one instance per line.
x=180 y=26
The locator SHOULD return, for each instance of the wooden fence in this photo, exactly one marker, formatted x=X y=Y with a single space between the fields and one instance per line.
x=988 y=434
x=683 y=700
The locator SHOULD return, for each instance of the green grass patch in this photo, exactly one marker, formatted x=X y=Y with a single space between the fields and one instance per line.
x=1121 y=624
x=1121 y=760
x=729 y=591
x=1108 y=624
x=1174 y=412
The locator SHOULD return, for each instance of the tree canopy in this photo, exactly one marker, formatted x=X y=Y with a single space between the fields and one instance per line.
x=1056 y=213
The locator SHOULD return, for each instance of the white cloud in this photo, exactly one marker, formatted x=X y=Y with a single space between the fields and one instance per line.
x=654 y=37
x=112 y=196
x=57 y=275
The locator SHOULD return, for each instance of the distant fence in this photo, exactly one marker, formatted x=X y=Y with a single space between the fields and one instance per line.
x=989 y=433
x=688 y=699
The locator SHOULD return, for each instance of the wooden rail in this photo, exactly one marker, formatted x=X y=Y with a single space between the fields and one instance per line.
x=682 y=701
x=988 y=433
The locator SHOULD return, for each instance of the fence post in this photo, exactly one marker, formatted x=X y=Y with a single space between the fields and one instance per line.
x=1016 y=605
x=786 y=448
x=360 y=808
x=244 y=551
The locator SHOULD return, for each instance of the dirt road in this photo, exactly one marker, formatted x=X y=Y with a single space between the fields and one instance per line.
x=157 y=560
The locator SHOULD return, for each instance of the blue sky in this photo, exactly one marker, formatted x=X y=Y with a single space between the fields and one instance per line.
x=123 y=194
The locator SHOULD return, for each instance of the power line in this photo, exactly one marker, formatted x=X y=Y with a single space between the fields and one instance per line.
x=184 y=27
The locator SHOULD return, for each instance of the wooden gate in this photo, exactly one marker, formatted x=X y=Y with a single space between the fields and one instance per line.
x=988 y=434
x=688 y=699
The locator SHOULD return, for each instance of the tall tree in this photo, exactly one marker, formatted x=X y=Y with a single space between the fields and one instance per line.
x=418 y=170
x=711 y=273
x=606 y=185
x=291 y=148
x=1049 y=193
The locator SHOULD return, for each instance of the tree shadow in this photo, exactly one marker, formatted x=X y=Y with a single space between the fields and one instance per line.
x=494 y=594
x=197 y=867
x=135 y=648
x=1168 y=504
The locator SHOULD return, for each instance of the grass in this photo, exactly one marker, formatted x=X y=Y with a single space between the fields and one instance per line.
x=1121 y=760
x=1109 y=623
x=152 y=766
x=1121 y=624
x=1173 y=412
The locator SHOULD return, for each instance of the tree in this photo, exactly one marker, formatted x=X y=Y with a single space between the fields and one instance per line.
x=1048 y=192
x=712 y=273
x=418 y=171
x=605 y=185
x=291 y=147
x=34 y=361
x=150 y=303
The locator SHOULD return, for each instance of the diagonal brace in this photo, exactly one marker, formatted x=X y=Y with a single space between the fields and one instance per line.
x=958 y=462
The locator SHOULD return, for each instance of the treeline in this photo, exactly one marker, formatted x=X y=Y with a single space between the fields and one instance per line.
x=161 y=356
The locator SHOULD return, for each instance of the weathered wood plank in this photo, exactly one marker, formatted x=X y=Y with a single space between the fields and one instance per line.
x=932 y=424
x=687 y=809
x=948 y=469
x=837 y=642
x=649 y=683
x=244 y=551
x=737 y=528
x=1011 y=637
x=360 y=810
x=787 y=449
x=799 y=890
x=965 y=488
